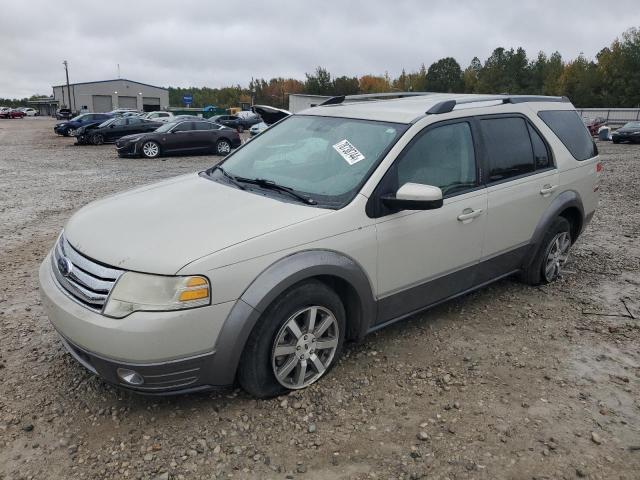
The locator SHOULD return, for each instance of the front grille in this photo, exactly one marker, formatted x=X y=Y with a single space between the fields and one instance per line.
x=85 y=280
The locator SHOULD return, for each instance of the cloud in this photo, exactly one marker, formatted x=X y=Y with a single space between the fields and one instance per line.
x=203 y=43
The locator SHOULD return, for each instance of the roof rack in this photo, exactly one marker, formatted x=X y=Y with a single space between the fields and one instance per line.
x=447 y=106
x=370 y=96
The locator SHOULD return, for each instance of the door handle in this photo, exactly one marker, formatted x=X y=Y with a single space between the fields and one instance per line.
x=547 y=189
x=469 y=214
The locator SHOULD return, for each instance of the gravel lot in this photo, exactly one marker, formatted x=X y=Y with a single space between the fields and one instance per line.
x=509 y=382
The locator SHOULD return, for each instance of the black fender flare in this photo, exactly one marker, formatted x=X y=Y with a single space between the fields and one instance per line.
x=271 y=283
x=566 y=199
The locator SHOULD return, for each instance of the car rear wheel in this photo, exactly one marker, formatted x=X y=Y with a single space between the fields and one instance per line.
x=223 y=147
x=150 y=149
x=97 y=139
x=297 y=341
x=552 y=256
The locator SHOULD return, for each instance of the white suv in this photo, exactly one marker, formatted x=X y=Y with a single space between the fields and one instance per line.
x=333 y=223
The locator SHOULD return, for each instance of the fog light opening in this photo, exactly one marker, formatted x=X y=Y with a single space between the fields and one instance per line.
x=130 y=377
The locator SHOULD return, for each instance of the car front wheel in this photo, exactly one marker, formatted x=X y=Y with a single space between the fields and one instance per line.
x=97 y=139
x=297 y=340
x=150 y=149
x=71 y=132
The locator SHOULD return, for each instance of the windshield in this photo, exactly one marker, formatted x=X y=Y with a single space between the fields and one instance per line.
x=325 y=158
x=632 y=125
x=78 y=118
x=108 y=122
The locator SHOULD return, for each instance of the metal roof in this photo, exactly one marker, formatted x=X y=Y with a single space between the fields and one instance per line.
x=112 y=80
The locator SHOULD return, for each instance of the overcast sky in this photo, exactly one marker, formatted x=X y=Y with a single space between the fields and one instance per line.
x=207 y=43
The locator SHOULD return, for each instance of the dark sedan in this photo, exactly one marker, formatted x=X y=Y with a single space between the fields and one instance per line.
x=69 y=128
x=629 y=133
x=113 y=129
x=182 y=136
x=235 y=121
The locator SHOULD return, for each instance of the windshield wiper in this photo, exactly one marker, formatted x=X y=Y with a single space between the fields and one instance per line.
x=270 y=184
x=231 y=178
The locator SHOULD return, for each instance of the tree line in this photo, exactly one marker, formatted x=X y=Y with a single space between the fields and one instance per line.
x=612 y=79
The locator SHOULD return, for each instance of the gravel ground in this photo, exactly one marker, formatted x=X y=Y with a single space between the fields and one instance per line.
x=509 y=382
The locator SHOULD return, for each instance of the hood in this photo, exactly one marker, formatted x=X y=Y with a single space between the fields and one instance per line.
x=160 y=228
x=628 y=129
x=270 y=115
x=134 y=137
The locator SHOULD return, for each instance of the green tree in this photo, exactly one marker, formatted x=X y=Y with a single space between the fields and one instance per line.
x=346 y=85
x=445 y=75
x=319 y=82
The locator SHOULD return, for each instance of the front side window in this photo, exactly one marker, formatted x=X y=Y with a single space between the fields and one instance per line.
x=326 y=158
x=508 y=147
x=443 y=156
x=568 y=127
x=184 y=127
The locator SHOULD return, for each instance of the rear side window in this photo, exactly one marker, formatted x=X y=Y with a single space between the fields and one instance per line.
x=570 y=129
x=203 y=126
x=540 y=152
x=508 y=147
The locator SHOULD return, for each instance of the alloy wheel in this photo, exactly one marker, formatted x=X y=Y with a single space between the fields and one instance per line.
x=150 y=149
x=557 y=256
x=71 y=132
x=304 y=347
x=223 y=147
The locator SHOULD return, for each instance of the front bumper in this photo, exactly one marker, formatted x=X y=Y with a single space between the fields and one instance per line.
x=626 y=137
x=126 y=149
x=173 y=351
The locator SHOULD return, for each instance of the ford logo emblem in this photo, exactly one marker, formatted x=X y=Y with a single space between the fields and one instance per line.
x=65 y=266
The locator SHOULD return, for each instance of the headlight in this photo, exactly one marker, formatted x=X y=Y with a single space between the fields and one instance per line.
x=135 y=292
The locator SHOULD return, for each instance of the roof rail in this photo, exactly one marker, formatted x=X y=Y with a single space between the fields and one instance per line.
x=370 y=96
x=447 y=106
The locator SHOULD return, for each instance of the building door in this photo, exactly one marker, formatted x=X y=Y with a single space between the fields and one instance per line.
x=127 y=102
x=150 y=104
x=102 y=103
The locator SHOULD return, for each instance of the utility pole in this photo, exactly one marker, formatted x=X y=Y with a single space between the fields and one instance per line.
x=66 y=71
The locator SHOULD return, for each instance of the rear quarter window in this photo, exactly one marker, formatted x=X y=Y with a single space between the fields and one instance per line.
x=569 y=128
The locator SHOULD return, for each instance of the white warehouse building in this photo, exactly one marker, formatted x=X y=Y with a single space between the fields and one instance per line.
x=107 y=95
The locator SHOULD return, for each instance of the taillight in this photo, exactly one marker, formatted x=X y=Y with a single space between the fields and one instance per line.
x=598 y=167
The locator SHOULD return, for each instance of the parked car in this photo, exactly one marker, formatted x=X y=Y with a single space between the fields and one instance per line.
x=159 y=116
x=68 y=129
x=181 y=136
x=630 y=132
x=268 y=116
x=64 y=114
x=235 y=121
x=30 y=112
x=113 y=129
x=593 y=124
x=11 y=113
x=331 y=224
x=119 y=112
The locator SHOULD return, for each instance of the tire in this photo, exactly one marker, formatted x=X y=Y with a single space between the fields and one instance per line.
x=223 y=147
x=150 y=149
x=260 y=362
x=97 y=139
x=70 y=132
x=615 y=140
x=240 y=129
x=552 y=255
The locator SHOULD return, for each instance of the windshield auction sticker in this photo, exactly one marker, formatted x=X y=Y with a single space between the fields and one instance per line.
x=347 y=151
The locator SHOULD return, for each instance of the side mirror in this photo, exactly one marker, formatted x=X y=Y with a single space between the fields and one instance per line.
x=414 y=196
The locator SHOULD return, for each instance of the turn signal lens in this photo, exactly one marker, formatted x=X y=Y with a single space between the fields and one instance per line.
x=189 y=295
x=196 y=282
x=598 y=167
